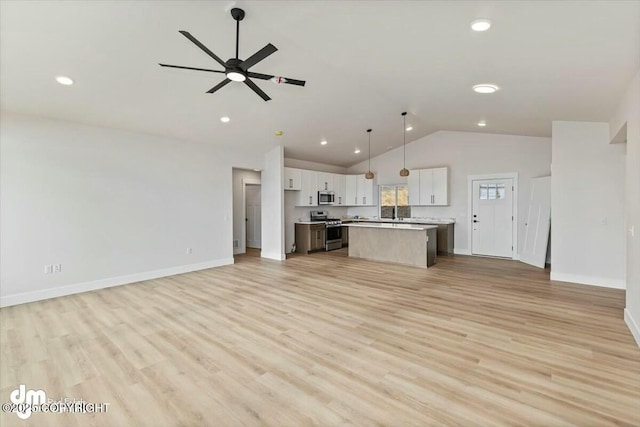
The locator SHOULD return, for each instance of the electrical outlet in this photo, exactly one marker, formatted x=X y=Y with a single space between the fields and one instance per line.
x=48 y=269
x=189 y=251
x=57 y=268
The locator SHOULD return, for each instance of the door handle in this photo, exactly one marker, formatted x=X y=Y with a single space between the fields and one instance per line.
x=310 y=197
x=290 y=183
x=364 y=200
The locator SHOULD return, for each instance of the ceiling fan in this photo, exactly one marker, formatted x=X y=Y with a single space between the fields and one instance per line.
x=236 y=69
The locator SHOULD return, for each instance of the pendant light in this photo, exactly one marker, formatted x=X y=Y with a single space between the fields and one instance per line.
x=369 y=174
x=404 y=171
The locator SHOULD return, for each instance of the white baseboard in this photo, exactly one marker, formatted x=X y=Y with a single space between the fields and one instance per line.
x=605 y=282
x=273 y=255
x=461 y=251
x=633 y=326
x=77 y=288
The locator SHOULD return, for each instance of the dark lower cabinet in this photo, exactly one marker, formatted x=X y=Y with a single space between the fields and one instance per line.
x=310 y=238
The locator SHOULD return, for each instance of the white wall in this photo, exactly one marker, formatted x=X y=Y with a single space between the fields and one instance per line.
x=111 y=206
x=465 y=153
x=273 y=205
x=313 y=166
x=628 y=113
x=239 y=228
x=587 y=205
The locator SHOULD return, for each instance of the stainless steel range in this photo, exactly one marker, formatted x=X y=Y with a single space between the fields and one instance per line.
x=333 y=236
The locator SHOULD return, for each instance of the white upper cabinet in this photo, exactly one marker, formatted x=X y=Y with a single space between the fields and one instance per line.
x=292 y=179
x=440 y=187
x=325 y=181
x=308 y=195
x=340 y=189
x=359 y=191
x=429 y=187
x=365 y=191
x=351 y=190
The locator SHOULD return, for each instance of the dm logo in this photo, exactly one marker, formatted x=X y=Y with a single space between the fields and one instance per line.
x=26 y=399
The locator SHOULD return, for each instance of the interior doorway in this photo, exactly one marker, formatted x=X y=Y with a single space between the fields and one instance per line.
x=493 y=219
x=253 y=216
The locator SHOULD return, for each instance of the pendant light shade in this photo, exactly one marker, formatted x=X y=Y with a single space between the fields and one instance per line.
x=369 y=174
x=404 y=171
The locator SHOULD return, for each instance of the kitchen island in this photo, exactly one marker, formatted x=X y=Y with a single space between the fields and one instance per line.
x=445 y=228
x=410 y=244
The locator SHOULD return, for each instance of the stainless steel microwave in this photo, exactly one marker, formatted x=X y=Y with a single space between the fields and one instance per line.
x=326 y=197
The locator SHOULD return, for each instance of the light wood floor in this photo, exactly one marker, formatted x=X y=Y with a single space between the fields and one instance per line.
x=327 y=340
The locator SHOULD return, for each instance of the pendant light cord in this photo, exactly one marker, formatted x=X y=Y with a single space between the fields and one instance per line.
x=404 y=140
x=369 y=131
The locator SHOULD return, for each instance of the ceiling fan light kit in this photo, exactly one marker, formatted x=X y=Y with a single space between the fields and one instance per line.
x=404 y=171
x=369 y=174
x=235 y=69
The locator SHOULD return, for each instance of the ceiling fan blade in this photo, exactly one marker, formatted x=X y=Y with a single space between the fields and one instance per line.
x=258 y=56
x=219 y=85
x=191 y=68
x=256 y=89
x=269 y=77
x=203 y=47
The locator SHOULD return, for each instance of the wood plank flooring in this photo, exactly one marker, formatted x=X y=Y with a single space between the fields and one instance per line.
x=328 y=340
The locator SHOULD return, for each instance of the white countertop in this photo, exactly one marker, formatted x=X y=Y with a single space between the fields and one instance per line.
x=310 y=222
x=417 y=227
x=405 y=221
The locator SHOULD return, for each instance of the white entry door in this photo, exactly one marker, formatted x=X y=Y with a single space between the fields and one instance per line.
x=536 y=231
x=253 y=219
x=492 y=221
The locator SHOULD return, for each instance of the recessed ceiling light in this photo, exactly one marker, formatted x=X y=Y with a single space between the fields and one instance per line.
x=357 y=151
x=485 y=88
x=480 y=25
x=225 y=119
x=257 y=170
x=409 y=128
x=279 y=133
x=482 y=123
x=64 y=80
x=323 y=142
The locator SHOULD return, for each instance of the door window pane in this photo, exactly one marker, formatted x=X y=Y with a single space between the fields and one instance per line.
x=500 y=191
x=492 y=191
x=484 y=192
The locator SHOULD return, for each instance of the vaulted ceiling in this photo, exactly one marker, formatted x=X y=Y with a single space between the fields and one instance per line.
x=364 y=62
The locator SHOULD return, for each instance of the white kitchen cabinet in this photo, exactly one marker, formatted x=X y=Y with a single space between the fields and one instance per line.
x=308 y=195
x=292 y=179
x=429 y=187
x=440 y=187
x=365 y=191
x=351 y=190
x=340 y=189
x=359 y=190
x=325 y=181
